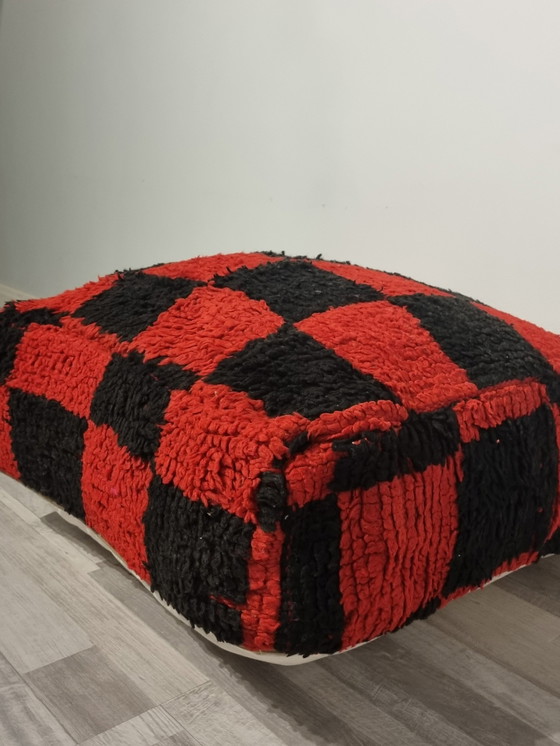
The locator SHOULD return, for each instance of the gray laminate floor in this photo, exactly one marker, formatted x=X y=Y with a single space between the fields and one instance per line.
x=88 y=656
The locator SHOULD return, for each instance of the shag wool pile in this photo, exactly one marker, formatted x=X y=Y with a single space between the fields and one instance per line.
x=298 y=455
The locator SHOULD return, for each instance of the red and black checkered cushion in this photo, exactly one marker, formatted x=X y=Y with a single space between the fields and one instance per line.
x=298 y=455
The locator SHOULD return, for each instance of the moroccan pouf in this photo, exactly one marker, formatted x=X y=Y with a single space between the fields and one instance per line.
x=296 y=455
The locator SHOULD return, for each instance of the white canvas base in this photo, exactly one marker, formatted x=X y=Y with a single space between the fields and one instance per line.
x=265 y=656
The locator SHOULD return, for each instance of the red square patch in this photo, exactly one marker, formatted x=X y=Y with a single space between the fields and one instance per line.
x=205 y=267
x=7 y=460
x=60 y=365
x=208 y=326
x=396 y=546
x=70 y=300
x=215 y=444
x=115 y=495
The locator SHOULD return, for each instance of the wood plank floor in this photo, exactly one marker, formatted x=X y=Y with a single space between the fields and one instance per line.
x=88 y=656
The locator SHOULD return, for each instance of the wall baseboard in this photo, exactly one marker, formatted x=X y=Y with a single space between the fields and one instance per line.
x=7 y=293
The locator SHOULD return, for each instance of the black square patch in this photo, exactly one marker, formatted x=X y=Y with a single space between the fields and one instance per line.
x=506 y=498
x=296 y=289
x=311 y=614
x=132 y=399
x=133 y=303
x=486 y=347
x=292 y=372
x=197 y=557
x=48 y=443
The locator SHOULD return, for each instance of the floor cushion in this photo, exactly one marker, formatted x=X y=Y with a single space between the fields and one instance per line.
x=296 y=455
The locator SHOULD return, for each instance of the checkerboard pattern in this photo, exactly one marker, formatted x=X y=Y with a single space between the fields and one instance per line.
x=298 y=455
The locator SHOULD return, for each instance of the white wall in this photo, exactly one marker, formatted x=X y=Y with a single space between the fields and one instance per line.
x=418 y=136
